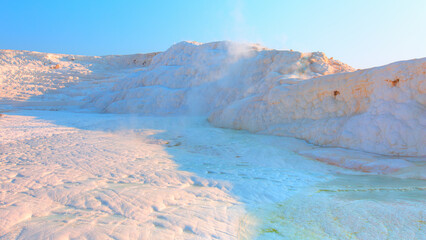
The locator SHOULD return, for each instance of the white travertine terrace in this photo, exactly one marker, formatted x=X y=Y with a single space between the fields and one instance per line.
x=163 y=172
x=240 y=86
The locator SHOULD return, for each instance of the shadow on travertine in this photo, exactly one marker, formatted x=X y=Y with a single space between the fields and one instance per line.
x=107 y=176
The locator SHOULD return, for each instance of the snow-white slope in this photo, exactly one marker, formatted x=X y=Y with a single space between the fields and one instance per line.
x=197 y=78
x=68 y=175
x=240 y=86
x=381 y=110
x=29 y=78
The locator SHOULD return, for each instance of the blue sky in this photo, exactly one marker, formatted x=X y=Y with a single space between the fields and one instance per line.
x=361 y=33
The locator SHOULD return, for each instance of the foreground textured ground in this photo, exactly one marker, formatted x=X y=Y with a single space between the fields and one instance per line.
x=74 y=175
x=71 y=169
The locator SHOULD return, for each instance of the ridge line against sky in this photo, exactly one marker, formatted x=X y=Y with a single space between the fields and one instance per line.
x=360 y=33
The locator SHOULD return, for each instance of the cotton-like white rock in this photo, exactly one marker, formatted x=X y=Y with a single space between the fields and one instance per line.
x=240 y=86
x=80 y=174
x=379 y=110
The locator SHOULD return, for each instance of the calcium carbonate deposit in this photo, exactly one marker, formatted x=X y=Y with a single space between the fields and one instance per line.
x=149 y=146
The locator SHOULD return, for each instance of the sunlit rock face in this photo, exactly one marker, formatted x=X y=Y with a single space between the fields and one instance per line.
x=240 y=86
x=378 y=110
x=197 y=78
x=83 y=175
x=26 y=74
